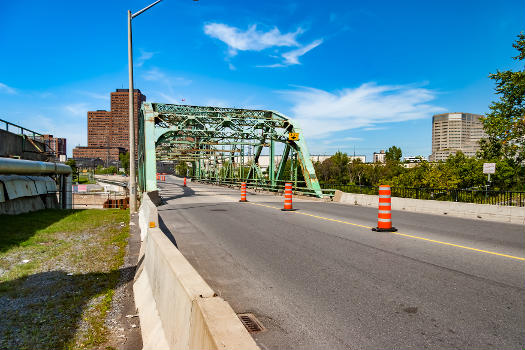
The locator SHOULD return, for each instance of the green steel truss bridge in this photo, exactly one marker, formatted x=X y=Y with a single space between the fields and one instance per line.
x=224 y=145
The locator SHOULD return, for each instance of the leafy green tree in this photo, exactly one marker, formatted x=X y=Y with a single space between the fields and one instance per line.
x=393 y=154
x=124 y=161
x=356 y=171
x=339 y=169
x=505 y=124
x=72 y=163
x=182 y=169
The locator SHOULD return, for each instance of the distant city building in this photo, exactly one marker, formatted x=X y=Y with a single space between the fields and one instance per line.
x=379 y=157
x=108 y=131
x=360 y=157
x=55 y=145
x=452 y=132
x=411 y=159
x=88 y=163
x=106 y=154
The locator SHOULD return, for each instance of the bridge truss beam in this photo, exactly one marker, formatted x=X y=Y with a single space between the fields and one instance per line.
x=223 y=144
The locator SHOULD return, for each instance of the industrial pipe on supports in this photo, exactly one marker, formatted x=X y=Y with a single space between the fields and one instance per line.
x=31 y=167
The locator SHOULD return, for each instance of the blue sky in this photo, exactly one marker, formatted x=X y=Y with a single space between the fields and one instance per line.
x=354 y=74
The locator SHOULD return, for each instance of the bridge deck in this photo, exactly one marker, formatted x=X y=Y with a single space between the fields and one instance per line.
x=320 y=278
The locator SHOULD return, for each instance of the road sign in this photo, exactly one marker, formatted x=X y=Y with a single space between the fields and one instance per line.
x=489 y=168
x=293 y=136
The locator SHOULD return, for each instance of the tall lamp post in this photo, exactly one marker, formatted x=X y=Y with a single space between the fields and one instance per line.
x=132 y=172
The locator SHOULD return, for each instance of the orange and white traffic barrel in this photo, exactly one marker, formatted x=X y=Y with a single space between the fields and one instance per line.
x=243 y=192
x=287 y=197
x=384 y=216
x=184 y=182
x=158 y=176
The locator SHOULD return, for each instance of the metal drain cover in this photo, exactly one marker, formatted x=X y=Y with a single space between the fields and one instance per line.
x=251 y=323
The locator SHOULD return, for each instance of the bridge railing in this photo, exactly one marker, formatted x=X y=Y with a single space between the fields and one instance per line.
x=478 y=196
x=299 y=187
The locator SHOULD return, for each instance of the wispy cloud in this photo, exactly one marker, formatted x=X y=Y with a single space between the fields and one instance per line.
x=292 y=57
x=7 y=89
x=156 y=74
x=95 y=95
x=250 y=39
x=144 y=56
x=76 y=109
x=172 y=86
x=322 y=113
x=253 y=39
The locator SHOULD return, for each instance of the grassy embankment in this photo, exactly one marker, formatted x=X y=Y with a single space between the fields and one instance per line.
x=58 y=273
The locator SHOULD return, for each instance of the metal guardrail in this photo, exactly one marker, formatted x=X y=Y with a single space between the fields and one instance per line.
x=509 y=198
x=21 y=130
x=299 y=187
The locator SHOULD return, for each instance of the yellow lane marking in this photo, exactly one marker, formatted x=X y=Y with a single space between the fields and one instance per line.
x=315 y=216
x=401 y=234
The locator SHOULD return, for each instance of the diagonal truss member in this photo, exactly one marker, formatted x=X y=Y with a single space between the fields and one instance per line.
x=214 y=141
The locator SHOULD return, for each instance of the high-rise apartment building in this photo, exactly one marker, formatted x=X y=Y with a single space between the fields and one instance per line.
x=452 y=132
x=55 y=145
x=108 y=131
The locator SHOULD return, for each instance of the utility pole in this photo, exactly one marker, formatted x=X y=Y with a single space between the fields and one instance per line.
x=132 y=172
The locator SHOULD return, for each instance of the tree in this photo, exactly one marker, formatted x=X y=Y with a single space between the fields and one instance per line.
x=505 y=124
x=182 y=169
x=72 y=163
x=124 y=161
x=393 y=154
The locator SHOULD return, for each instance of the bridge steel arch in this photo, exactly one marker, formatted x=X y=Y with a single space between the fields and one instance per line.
x=215 y=140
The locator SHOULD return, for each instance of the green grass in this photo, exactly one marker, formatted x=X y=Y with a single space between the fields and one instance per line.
x=59 y=298
x=84 y=180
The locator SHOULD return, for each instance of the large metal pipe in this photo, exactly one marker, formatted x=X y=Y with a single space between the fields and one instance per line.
x=26 y=167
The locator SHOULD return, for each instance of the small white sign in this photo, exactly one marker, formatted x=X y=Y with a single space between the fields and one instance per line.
x=489 y=168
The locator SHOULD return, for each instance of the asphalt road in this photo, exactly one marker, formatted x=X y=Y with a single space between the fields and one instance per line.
x=320 y=278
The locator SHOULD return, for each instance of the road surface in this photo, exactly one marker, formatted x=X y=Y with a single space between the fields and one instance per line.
x=320 y=278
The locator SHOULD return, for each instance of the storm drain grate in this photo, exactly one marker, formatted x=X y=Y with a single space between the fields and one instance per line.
x=251 y=323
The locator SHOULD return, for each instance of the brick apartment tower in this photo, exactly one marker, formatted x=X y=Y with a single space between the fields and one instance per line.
x=55 y=145
x=108 y=131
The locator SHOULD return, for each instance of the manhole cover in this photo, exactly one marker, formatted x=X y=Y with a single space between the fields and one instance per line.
x=218 y=210
x=251 y=323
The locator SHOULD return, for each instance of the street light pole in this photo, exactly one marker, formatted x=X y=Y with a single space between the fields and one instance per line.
x=132 y=172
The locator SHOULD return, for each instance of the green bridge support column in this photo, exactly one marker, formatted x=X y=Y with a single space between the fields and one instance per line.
x=306 y=164
x=271 y=166
x=150 y=158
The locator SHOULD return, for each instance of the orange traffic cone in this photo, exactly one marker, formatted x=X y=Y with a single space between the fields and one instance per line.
x=288 y=197
x=243 y=192
x=384 y=216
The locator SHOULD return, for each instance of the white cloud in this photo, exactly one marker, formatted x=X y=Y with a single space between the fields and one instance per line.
x=144 y=56
x=170 y=87
x=156 y=74
x=322 y=113
x=95 y=95
x=166 y=98
x=77 y=109
x=250 y=39
x=7 y=89
x=292 y=57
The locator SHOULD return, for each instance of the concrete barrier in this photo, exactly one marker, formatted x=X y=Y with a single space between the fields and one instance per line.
x=147 y=213
x=499 y=213
x=177 y=308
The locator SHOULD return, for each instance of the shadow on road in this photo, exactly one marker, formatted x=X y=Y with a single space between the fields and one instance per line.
x=186 y=192
x=167 y=231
